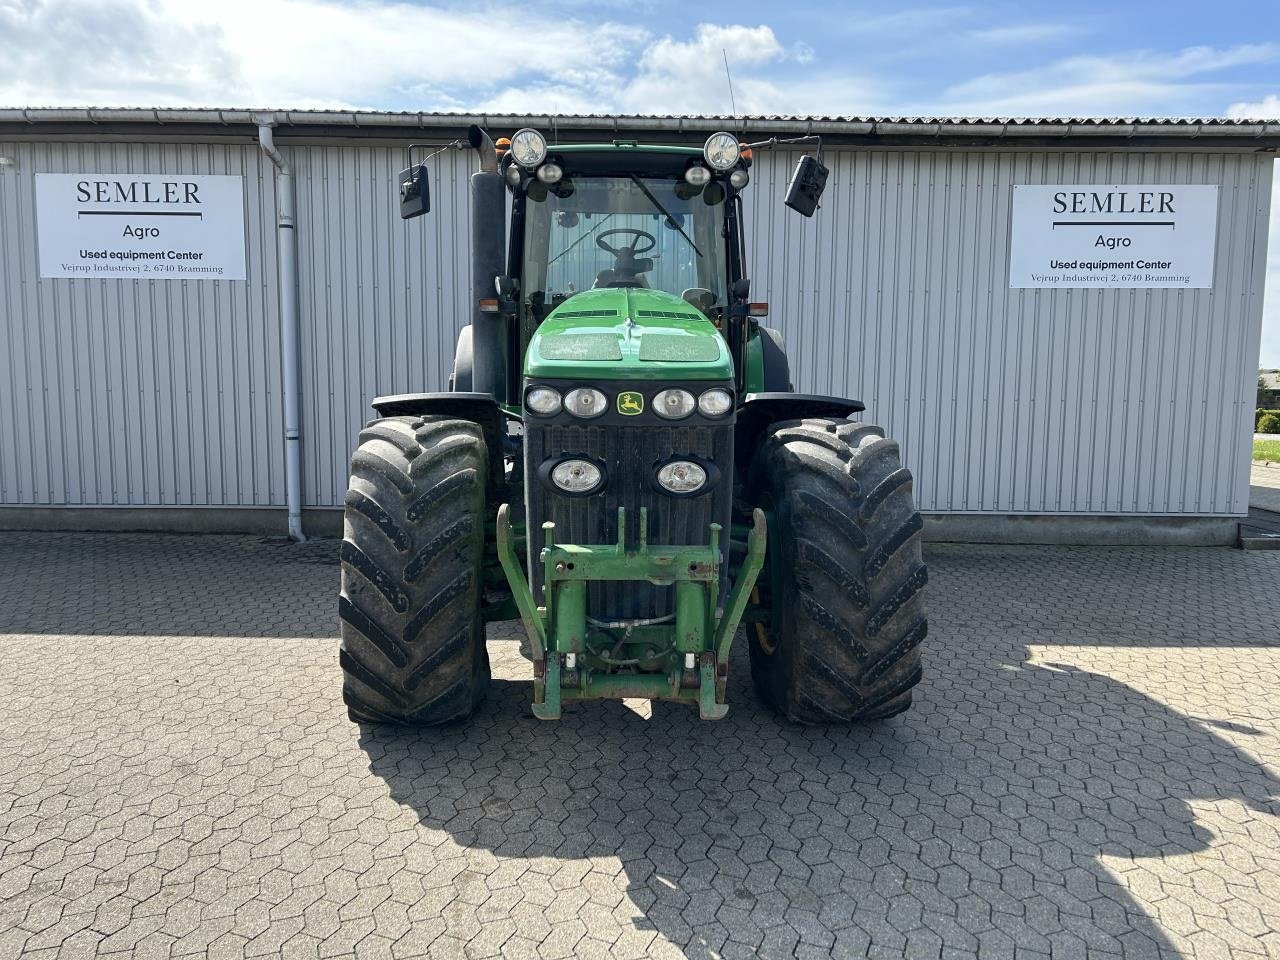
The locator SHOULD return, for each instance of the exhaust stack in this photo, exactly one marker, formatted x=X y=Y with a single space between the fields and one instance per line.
x=488 y=260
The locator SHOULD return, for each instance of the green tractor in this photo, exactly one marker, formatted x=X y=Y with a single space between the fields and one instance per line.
x=621 y=462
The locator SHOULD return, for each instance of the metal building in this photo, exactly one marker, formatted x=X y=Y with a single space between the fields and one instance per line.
x=1044 y=414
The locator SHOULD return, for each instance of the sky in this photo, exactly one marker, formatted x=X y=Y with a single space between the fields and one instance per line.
x=1085 y=58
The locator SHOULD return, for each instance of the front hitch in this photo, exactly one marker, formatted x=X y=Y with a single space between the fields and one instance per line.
x=566 y=667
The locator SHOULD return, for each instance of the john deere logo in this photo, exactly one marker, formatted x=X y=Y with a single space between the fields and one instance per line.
x=630 y=403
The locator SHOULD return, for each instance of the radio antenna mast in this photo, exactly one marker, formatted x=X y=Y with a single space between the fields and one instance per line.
x=728 y=76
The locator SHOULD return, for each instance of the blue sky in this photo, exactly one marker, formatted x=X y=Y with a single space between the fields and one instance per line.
x=1174 y=58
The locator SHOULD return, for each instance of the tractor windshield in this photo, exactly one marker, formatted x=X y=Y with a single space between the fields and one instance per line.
x=630 y=231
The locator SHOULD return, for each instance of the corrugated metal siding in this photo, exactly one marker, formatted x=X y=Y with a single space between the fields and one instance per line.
x=382 y=299
x=1020 y=401
x=135 y=392
x=1008 y=401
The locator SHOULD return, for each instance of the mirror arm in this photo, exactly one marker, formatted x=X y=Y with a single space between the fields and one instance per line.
x=787 y=141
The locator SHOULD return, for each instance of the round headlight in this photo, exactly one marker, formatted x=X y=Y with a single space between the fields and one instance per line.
x=739 y=179
x=577 y=476
x=721 y=151
x=697 y=176
x=681 y=476
x=529 y=147
x=550 y=173
x=673 y=404
x=715 y=402
x=585 y=402
x=513 y=175
x=542 y=400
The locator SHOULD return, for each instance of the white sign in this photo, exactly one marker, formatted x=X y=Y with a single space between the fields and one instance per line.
x=1126 y=235
x=175 y=227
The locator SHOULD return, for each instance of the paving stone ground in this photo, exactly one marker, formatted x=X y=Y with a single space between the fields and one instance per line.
x=1089 y=771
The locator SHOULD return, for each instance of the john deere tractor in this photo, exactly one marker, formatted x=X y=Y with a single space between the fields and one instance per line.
x=621 y=462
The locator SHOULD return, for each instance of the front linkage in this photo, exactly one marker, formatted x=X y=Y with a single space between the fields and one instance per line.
x=685 y=657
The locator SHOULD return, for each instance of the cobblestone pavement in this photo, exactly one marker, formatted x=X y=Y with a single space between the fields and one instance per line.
x=1089 y=770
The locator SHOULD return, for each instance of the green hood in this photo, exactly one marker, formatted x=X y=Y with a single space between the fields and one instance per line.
x=627 y=333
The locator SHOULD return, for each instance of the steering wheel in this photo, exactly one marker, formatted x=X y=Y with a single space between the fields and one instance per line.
x=634 y=249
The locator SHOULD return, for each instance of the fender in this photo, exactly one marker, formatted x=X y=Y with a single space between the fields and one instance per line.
x=759 y=411
x=480 y=408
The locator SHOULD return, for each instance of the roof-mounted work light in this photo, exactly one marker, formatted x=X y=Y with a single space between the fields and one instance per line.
x=528 y=147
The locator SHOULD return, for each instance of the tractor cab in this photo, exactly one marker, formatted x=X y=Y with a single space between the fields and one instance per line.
x=593 y=217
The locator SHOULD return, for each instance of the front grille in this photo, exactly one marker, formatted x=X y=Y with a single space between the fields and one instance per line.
x=630 y=455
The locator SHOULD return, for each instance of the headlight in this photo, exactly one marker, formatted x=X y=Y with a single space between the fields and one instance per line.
x=550 y=173
x=513 y=174
x=673 y=404
x=681 y=476
x=739 y=179
x=542 y=400
x=585 y=402
x=715 y=402
x=577 y=476
x=721 y=151
x=529 y=147
x=697 y=176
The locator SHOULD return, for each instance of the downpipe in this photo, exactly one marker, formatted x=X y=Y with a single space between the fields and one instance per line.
x=287 y=256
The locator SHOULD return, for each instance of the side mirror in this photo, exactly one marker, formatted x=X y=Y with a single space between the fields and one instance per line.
x=806 y=186
x=415 y=192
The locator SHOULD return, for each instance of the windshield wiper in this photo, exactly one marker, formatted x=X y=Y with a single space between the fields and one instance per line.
x=670 y=219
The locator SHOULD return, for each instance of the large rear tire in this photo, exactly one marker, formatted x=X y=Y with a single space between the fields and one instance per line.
x=413 y=538
x=848 y=574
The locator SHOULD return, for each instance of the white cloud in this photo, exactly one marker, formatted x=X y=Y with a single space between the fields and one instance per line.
x=1023 y=33
x=691 y=73
x=378 y=54
x=1268 y=108
x=287 y=52
x=1140 y=82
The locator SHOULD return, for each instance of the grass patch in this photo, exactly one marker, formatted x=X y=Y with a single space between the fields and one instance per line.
x=1267 y=450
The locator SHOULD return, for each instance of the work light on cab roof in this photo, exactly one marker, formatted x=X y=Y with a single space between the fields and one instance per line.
x=721 y=151
x=528 y=147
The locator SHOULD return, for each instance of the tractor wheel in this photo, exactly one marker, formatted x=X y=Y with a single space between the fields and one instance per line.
x=847 y=574
x=413 y=537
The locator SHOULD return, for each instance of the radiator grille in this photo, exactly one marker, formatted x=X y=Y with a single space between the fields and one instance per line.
x=630 y=454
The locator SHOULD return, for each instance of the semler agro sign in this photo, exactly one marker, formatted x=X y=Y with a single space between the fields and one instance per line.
x=164 y=227
x=1100 y=236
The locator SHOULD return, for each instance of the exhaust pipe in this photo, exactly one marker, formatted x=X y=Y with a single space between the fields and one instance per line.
x=481 y=143
x=488 y=260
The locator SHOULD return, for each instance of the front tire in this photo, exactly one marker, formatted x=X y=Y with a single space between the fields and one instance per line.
x=412 y=552
x=845 y=542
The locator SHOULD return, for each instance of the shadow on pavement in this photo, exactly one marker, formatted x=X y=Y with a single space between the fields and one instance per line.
x=976 y=821
x=155 y=584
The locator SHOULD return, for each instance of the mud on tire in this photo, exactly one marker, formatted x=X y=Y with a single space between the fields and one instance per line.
x=847 y=537
x=412 y=551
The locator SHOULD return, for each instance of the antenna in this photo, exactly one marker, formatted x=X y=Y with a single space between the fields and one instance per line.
x=728 y=76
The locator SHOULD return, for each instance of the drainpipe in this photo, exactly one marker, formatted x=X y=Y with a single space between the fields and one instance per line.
x=287 y=254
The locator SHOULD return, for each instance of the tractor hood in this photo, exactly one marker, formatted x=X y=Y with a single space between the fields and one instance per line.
x=627 y=333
